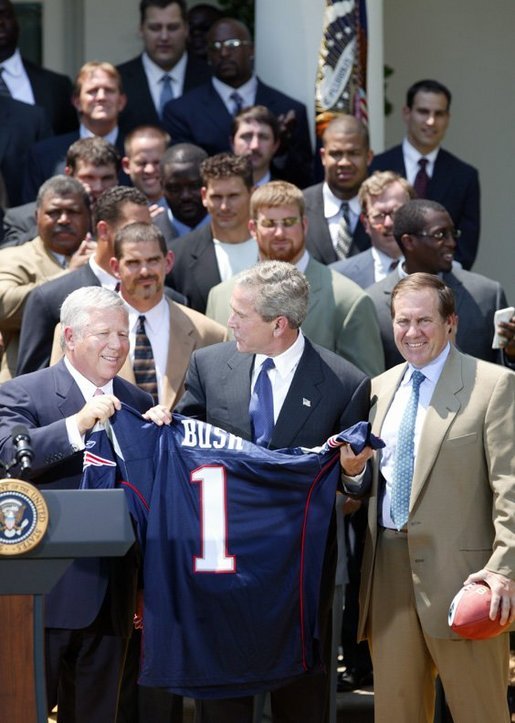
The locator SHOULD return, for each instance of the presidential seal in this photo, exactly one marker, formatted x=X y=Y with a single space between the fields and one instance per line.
x=23 y=517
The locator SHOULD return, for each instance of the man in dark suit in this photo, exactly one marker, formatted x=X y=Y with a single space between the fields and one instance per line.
x=116 y=208
x=21 y=125
x=30 y=83
x=219 y=250
x=182 y=183
x=443 y=177
x=98 y=98
x=88 y=614
x=426 y=234
x=380 y=195
x=314 y=393
x=164 y=31
x=333 y=210
x=204 y=115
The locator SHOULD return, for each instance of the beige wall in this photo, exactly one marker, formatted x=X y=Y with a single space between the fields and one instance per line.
x=468 y=45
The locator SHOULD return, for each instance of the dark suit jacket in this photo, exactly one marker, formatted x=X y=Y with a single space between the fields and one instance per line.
x=195 y=270
x=201 y=117
x=53 y=92
x=455 y=185
x=166 y=227
x=21 y=125
x=41 y=402
x=41 y=314
x=218 y=391
x=318 y=239
x=47 y=158
x=20 y=224
x=477 y=300
x=140 y=108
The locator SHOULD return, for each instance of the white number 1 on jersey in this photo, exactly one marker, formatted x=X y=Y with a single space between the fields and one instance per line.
x=213 y=521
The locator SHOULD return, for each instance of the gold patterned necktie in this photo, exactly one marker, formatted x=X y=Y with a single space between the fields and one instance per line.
x=144 y=365
x=343 y=234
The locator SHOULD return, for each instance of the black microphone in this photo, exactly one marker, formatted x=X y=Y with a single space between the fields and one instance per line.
x=24 y=454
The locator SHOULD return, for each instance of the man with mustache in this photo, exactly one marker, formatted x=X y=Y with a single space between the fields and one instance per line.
x=63 y=219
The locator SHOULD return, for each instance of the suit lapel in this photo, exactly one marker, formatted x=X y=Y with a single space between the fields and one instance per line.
x=440 y=414
x=203 y=264
x=215 y=112
x=236 y=381
x=69 y=397
x=441 y=179
x=303 y=398
x=181 y=344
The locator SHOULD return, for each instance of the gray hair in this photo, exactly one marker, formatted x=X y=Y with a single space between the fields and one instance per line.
x=280 y=289
x=77 y=307
x=62 y=186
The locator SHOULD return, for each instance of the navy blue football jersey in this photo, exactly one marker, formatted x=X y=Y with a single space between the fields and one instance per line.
x=233 y=537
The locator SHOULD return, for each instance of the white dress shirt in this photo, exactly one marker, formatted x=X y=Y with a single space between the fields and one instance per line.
x=333 y=212
x=154 y=75
x=110 y=137
x=87 y=390
x=392 y=421
x=412 y=157
x=282 y=374
x=16 y=78
x=157 y=325
x=108 y=281
x=247 y=91
x=382 y=264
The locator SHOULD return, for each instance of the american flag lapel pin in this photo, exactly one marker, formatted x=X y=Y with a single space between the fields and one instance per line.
x=306 y=402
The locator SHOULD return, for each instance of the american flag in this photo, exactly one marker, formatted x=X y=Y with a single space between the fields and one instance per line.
x=341 y=84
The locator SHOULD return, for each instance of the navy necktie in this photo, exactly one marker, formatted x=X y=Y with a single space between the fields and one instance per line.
x=166 y=92
x=261 y=407
x=405 y=456
x=4 y=90
x=144 y=365
x=421 y=179
x=238 y=102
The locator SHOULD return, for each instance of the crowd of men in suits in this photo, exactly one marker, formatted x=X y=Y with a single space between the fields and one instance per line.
x=158 y=230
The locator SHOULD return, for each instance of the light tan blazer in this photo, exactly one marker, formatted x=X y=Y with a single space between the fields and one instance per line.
x=462 y=506
x=21 y=269
x=188 y=330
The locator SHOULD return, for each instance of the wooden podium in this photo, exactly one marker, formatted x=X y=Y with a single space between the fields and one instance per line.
x=82 y=523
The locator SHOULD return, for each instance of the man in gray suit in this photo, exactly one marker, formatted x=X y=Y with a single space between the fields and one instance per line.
x=380 y=196
x=314 y=392
x=427 y=237
x=340 y=316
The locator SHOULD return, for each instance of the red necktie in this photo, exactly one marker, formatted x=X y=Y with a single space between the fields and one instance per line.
x=421 y=179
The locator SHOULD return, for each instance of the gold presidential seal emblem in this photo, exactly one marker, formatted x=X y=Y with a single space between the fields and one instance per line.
x=23 y=517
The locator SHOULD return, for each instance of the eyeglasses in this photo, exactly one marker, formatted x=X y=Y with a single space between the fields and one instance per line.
x=439 y=236
x=287 y=222
x=230 y=44
x=379 y=218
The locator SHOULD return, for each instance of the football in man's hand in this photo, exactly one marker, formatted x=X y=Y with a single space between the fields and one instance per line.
x=468 y=613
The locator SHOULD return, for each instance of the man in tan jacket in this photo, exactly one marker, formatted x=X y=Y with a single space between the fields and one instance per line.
x=62 y=214
x=441 y=514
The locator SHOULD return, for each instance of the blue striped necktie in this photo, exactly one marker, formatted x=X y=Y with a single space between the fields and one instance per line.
x=405 y=456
